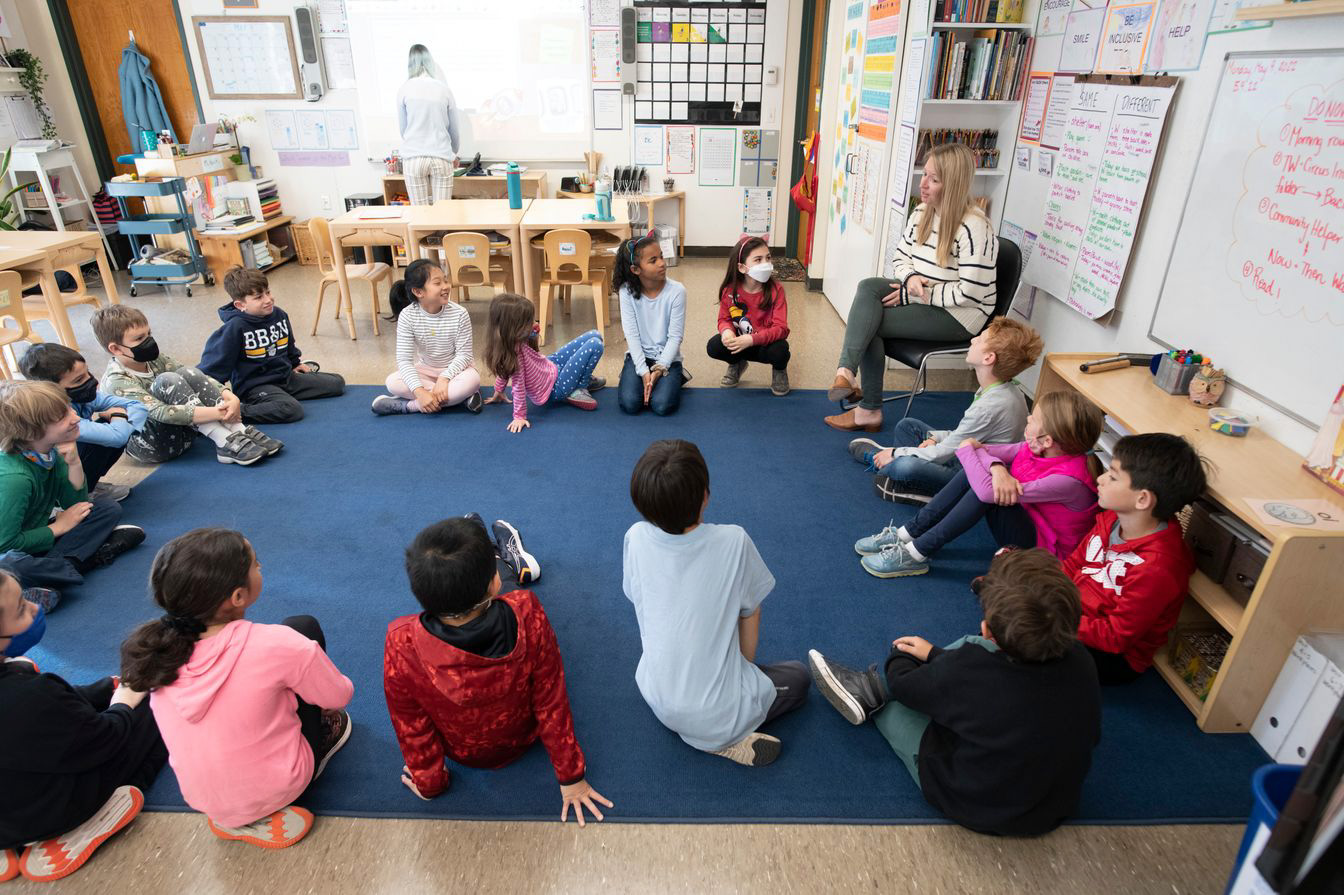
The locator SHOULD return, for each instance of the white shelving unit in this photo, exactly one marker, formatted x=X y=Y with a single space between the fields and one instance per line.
x=42 y=165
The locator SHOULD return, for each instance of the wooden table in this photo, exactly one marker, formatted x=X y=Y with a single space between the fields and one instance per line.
x=1297 y=591
x=478 y=215
x=563 y=214
x=38 y=254
x=650 y=202
x=491 y=186
x=351 y=229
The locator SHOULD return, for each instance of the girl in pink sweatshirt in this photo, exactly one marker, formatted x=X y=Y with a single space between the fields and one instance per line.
x=1037 y=493
x=250 y=713
x=511 y=351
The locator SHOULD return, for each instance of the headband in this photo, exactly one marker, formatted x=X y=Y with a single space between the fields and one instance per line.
x=634 y=243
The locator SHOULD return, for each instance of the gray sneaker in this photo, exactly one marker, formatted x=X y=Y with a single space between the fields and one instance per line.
x=864 y=450
x=111 y=491
x=386 y=405
x=734 y=374
x=239 y=449
x=779 y=383
x=271 y=446
x=581 y=399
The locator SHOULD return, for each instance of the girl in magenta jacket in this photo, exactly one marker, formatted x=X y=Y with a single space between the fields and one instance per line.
x=753 y=317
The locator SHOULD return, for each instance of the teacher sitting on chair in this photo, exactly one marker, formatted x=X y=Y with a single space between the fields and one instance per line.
x=943 y=288
x=427 y=117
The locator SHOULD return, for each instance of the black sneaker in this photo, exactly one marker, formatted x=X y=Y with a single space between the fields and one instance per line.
x=475 y=402
x=336 y=727
x=123 y=538
x=271 y=446
x=855 y=694
x=887 y=490
x=476 y=517
x=510 y=546
x=110 y=491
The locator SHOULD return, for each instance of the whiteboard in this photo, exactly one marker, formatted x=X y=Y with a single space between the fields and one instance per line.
x=519 y=72
x=1256 y=277
x=248 y=57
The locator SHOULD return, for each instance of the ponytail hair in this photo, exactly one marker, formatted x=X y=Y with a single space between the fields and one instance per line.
x=627 y=255
x=417 y=275
x=510 y=324
x=191 y=576
x=733 y=278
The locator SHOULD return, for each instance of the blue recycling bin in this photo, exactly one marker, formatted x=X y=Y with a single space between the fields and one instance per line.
x=1271 y=785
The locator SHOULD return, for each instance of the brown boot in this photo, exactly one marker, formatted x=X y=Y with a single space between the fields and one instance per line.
x=843 y=390
x=845 y=423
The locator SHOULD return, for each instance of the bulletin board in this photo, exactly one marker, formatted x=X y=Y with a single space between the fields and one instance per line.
x=700 y=62
x=248 y=57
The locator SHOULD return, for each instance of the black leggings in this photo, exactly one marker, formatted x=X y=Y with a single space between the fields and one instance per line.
x=1112 y=668
x=776 y=354
x=310 y=716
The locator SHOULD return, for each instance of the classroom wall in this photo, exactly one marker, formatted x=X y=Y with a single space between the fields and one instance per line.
x=1126 y=329
x=713 y=213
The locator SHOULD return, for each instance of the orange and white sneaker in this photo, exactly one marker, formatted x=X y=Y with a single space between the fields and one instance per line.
x=279 y=830
x=9 y=865
x=58 y=858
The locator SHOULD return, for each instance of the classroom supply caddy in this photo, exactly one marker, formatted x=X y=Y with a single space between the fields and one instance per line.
x=141 y=229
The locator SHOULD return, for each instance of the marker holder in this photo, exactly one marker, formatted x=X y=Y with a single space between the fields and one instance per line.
x=1174 y=377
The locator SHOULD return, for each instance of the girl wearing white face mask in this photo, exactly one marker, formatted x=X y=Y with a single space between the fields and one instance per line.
x=753 y=317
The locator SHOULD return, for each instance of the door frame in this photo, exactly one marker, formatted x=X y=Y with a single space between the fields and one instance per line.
x=812 y=48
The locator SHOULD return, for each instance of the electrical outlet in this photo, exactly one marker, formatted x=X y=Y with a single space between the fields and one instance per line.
x=326 y=203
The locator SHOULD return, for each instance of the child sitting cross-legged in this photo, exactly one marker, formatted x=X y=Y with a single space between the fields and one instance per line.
x=251 y=713
x=182 y=401
x=1039 y=493
x=998 y=729
x=477 y=677
x=1133 y=568
x=697 y=589
x=255 y=350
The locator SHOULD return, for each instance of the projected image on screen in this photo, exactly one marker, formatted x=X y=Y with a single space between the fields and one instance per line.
x=700 y=63
x=518 y=71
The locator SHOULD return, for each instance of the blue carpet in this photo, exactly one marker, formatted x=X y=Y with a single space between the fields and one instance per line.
x=331 y=516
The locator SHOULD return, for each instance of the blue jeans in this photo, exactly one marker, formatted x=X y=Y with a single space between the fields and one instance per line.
x=576 y=361
x=56 y=569
x=956 y=509
x=912 y=474
x=903 y=728
x=666 y=397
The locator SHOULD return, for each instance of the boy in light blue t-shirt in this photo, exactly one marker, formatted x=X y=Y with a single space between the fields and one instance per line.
x=697 y=590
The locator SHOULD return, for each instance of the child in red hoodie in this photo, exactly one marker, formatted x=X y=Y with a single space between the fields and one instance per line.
x=1133 y=567
x=753 y=317
x=476 y=677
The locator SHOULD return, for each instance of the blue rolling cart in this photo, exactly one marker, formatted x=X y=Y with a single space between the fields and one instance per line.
x=141 y=229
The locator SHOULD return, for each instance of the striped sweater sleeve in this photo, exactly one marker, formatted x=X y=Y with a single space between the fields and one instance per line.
x=462 y=346
x=977 y=251
x=406 y=349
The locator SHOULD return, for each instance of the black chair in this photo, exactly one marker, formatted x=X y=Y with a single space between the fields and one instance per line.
x=915 y=353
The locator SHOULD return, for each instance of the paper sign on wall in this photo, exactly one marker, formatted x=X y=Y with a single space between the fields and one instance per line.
x=1033 y=111
x=718 y=155
x=1178 y=37
x=680 y=149
x=1081 y=35
x=1124 y=39
x=1057 y=110
x=648 y=149
x=758 y=212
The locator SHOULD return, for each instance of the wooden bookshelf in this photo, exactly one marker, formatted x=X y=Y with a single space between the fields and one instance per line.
x=1291 y=10
x=953 y=26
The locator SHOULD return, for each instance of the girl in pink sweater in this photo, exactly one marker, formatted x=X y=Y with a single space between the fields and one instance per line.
x=511 y=351
x=250 y=713
x=1037 y=493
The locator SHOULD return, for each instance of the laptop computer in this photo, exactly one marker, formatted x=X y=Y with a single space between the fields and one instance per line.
x=202 y=138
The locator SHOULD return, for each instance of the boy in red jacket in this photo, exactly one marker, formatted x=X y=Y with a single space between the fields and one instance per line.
x=476 y=677
x=1133 y=567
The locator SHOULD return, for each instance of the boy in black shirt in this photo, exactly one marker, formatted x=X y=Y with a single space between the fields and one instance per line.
x=997 y=729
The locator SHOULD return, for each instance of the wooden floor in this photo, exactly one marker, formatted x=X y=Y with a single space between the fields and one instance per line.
x=172 y=853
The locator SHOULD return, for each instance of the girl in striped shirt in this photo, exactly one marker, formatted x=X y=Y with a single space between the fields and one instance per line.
x=511 y=351
x=433 y=348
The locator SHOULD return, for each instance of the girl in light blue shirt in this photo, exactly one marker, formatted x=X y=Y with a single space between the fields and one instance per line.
x=653 y=316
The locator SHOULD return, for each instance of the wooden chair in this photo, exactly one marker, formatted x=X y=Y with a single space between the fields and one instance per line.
x=569 y=263
x=36 y=307
x=11 y=306
x=470 y=262
x=326 y=265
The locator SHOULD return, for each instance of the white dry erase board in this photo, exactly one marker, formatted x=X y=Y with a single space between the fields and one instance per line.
x=1256 y=277
x=518 y=70
x=248 y=57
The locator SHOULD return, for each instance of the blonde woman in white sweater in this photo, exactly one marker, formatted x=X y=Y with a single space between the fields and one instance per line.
x=943 y=287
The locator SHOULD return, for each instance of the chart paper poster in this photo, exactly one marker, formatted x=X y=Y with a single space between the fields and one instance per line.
x=680 y=149
x=607 y=110
x=604 y=13
x=606 y=55
x=913 y=81
x=1125 y=38
x=648 y=150
x=1178 y=35
x=1081 y=37
x=1057 y=110
x=1052 y=17
x=1033 y=111
x=879 y=68
x=718 y=156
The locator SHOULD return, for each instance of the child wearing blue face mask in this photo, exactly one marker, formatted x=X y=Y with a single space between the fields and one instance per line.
x=74 y=761
x=753 y=317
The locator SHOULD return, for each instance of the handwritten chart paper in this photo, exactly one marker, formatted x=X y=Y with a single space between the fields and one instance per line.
x=1266 y=214
x=648 y=149
x=879 y=68
x=1096 y=193
x=680 y=149
x=606 y=55
x=1033 y=112
x=1125 y=38
x=912 y=81
x=1178 y=35
x=1057 y=110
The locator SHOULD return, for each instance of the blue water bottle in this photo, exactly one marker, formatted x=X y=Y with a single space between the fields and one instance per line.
x=602 y=195
x=515 y=184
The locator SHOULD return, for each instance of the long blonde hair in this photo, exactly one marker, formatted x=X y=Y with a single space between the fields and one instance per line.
x=956 y=169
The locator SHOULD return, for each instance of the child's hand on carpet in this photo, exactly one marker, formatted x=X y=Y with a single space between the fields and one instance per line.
x=496 y=398
x=410 y=784
x=519 y=425
x=915 y=646
x=578 y=795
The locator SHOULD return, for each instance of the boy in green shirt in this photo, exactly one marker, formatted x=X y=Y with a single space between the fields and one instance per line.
x=40 y=472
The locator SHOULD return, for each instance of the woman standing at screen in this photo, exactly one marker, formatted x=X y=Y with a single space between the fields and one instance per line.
x=427 y=117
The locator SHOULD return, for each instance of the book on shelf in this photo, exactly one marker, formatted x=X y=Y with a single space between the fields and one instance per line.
x=230 y=222
x=983 y=143
x=986 y=65
x=1004 y=12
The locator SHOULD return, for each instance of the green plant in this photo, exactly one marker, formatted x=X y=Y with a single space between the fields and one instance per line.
x=7 y=209
x=32 y=79
x=236 y=158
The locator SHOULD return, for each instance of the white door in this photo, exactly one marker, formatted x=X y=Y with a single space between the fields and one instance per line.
x=858 y=190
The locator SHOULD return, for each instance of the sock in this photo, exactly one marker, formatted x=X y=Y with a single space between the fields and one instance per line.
x=233 y=427
x=903 y=536
x=913 y=551
x=216 y=432
x=414 y=407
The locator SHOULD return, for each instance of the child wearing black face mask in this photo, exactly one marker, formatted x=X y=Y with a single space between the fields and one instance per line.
x=182 y=401
x=753 y=317
x=106 y=422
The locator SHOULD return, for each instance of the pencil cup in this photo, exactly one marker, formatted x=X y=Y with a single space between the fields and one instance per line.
x=1174 y=378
